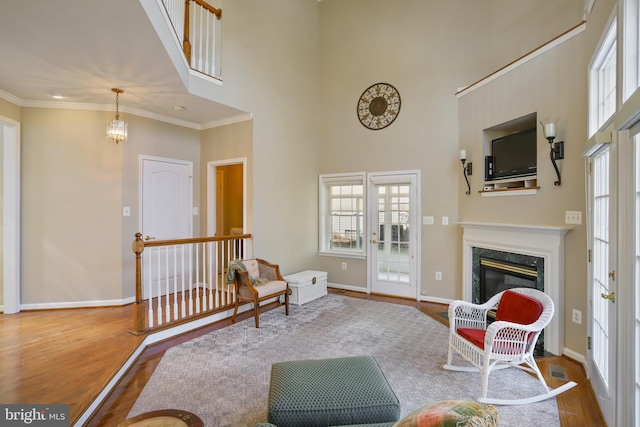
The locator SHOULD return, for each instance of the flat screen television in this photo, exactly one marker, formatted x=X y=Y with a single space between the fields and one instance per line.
x=515 y=155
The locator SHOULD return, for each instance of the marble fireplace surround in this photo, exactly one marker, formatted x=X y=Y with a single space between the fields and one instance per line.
x=546 y=242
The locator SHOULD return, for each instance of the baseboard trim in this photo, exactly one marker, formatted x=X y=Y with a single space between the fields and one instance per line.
x=437 y=300
x=580 y=358
x=348 y=287
x=77 y=304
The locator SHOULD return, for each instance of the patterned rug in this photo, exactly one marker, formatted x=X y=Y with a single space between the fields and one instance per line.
x=223 y=377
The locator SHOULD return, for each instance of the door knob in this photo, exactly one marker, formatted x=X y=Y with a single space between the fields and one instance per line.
x=611 y=297
x=374 y=241
x=149 y=238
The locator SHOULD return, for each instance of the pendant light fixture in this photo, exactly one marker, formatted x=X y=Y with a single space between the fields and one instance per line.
x=117 y=129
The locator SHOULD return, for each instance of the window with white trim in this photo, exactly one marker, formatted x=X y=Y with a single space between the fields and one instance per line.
x=631 y=54
x=602 y=82
x=342 y=204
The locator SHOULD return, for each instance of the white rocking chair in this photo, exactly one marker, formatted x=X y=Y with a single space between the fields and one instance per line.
x=521 y=314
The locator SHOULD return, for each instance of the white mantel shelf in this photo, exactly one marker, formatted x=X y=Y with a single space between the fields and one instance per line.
x=524 y=227
x=542 y=241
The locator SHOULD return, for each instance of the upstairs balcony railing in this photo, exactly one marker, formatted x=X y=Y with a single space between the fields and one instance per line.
x=198 y=28
x=183 y=279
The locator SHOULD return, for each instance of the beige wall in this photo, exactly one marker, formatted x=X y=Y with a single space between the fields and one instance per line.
x=71 y=204
x=536 y=88
x=427 y=50
x=157 y=139
x=223 y=143
x=76 y=245
x=271 y=69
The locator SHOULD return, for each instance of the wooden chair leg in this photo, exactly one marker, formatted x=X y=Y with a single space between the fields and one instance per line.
x=256 y=313
x=286 y=303
x=235 y=312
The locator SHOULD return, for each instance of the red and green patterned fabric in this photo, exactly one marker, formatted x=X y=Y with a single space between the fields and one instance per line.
x=452 y=413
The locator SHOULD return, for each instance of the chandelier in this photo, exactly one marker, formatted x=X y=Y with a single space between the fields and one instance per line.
x=117 y=129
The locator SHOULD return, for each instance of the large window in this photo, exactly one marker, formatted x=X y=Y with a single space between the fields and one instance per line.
x=602 y=82
x=631 y=64
x=342 y=202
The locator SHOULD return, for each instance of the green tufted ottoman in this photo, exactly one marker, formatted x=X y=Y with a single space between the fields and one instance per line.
x=330 y=392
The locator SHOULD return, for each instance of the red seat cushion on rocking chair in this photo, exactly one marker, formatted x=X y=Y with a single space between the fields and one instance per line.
x=476 y=336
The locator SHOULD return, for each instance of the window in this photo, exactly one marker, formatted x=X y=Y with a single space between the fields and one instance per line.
x=602 y=82
x=342 y=202
x=631 y=55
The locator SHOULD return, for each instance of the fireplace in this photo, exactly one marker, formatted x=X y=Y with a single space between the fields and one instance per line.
x=496 y=271
x=528 y=248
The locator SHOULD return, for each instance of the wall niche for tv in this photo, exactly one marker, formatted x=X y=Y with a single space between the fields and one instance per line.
x=510 y=157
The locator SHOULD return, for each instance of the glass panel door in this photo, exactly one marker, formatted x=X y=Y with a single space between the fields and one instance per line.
x=392 y=264
x=603 y=284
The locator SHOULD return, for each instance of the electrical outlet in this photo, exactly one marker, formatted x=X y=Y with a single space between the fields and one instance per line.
x=427 y=220
x=576 y=316
x=438 y=275
x=126 y=211
x=344 y=265
x=445 y=220
x=573 y=217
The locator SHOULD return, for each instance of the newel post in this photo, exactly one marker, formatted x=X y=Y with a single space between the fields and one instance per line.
x=138 y=308
x=186 y=44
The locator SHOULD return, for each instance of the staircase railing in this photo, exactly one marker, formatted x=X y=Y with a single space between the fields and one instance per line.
x=198 y=29
x=179 y=280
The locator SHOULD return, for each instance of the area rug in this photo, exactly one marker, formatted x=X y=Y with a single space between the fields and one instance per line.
x=223 y=377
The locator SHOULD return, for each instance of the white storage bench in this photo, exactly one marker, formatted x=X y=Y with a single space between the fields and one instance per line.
x=306 y=286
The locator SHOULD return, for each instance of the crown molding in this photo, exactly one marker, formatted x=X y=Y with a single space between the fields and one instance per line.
x=124 y=109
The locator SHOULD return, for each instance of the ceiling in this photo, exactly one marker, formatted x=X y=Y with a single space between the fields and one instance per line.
x=83 y=48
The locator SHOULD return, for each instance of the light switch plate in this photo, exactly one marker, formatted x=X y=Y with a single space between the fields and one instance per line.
x=573 y=217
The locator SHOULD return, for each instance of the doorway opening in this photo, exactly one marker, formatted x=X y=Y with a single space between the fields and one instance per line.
x=226 y=199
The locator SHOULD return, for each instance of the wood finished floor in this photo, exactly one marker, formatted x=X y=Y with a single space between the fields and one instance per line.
x=68 y=356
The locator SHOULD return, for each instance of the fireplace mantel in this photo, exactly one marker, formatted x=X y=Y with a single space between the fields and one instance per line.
x=546 y=242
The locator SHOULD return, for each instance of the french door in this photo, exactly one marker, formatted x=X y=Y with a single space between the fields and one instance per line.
x=393 y=230
x=602 y=278
x=634 y=345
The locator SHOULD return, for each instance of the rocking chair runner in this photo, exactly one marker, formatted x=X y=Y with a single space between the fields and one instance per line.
x=521 y=315
x=257 y=280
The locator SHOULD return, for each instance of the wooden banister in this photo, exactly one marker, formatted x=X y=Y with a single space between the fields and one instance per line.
x=217 y=12
x=196 y=294
x=186 y=44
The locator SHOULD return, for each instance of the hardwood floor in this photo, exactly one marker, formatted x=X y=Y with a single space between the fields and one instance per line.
x=68 y=356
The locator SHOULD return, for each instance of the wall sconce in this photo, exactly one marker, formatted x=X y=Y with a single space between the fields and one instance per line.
x=556 y=148
x=117 y=129
x=466 y=169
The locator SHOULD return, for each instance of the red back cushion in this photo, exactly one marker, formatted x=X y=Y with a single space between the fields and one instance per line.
x=518 y=308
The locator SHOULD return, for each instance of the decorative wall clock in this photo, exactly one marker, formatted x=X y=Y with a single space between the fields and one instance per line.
x=378 y=106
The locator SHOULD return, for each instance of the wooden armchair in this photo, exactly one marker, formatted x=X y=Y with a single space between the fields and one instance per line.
x=257 y=280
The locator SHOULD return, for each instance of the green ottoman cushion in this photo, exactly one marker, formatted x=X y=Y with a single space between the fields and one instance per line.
x=330 y=392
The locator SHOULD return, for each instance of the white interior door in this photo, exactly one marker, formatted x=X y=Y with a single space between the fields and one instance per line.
x=166 y=209
x=167 y=188
x=393 y=232
x=602 y=278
